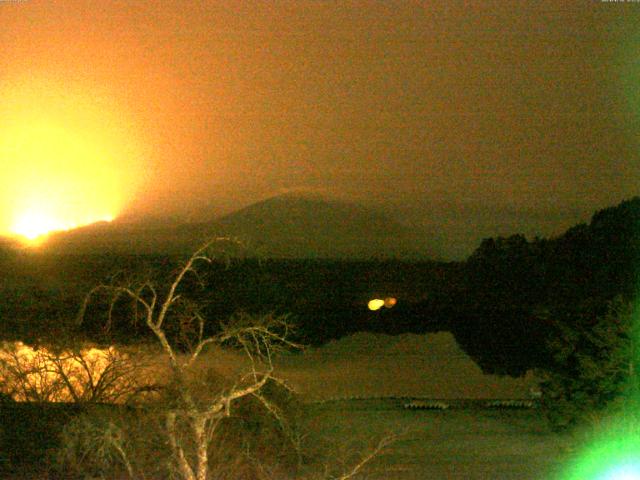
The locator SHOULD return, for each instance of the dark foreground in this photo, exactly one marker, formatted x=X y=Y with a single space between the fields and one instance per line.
x=459 y=443
x=466 y=444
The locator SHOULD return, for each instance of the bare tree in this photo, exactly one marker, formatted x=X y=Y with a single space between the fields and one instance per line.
x=80 y=374
x=193 y=413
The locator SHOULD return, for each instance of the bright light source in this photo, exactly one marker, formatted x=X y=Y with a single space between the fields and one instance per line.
x=623 y=472
x=67 y=161
x=390 y=302
x=613 y=456
x=35 y=225
x=375 y=304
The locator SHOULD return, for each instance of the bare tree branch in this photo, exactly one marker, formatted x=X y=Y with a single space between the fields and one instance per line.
x=367 y=458
x=188 y=410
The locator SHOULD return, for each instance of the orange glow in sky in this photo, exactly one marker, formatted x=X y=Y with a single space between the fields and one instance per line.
x=65 y=162
x=429 y=110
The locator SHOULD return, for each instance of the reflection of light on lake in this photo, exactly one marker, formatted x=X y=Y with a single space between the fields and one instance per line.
x=45 y=373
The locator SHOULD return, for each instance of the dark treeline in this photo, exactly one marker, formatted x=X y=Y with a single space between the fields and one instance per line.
x=325 y=299
x=501 y=304
x=517 y=289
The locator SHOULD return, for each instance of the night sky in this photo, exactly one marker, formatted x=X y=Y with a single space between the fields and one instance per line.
x=462 y=119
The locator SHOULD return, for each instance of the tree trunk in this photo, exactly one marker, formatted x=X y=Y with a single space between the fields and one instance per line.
x=183 y=465
x=199 y=429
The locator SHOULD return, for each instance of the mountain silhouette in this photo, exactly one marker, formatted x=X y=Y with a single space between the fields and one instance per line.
x=294 y=225
x=283 y=226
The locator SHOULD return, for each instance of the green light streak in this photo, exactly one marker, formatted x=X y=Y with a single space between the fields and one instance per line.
x=612 y=459
x=614 y=451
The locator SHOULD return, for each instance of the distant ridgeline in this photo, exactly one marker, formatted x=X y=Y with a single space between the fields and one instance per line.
x=500 y=304
x=287 y=226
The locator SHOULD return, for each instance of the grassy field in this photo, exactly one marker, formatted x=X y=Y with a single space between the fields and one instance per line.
x=453 y=444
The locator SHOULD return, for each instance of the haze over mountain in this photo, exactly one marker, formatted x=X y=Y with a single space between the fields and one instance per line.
x=291 y=225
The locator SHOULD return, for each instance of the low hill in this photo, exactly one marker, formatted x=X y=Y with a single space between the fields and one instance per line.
x=128 y=238
x=303 y=226
x=284 y=226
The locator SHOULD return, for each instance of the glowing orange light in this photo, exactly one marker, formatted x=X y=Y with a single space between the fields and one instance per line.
x=65 y=163
x=390 y=302
x=35 y=225
x=32 y=225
